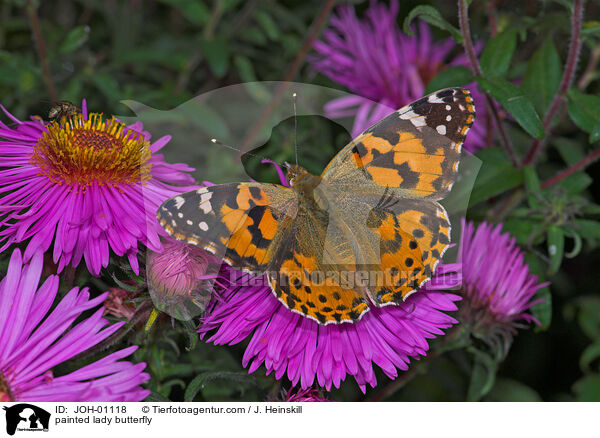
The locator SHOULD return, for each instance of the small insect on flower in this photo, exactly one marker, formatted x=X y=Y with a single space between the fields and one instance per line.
x=62 y=109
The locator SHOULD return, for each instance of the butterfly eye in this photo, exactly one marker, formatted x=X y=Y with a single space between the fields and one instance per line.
x=292 y=181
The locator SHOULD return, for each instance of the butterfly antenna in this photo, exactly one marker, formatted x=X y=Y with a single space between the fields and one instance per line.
x=295 y=129
x=220 y=143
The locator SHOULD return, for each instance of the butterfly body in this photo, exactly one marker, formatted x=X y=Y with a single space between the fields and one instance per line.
x=367 y=232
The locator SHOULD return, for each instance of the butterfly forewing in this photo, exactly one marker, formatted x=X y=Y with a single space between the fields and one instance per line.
x=240 y=223
x=415 y=150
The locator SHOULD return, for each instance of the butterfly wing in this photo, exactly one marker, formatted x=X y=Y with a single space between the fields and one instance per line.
x=388 y=179
x=413 y=235
x=313 y=272
x=241 y=223
x=415 y=150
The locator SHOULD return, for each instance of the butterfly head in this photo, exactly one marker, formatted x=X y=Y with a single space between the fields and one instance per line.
x=295 y=174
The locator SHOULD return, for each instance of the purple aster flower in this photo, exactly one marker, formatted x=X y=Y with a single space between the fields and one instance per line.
x=87 y=184
x=373 y=58
x=498 y=289
x=179 y=279
x=288 y=343
x=34 y=339
x=304 y=395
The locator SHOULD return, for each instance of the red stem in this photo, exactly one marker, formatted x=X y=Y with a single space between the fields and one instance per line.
x=41 y=49
x=565 y=83
x=581 y=164
x=463 y=21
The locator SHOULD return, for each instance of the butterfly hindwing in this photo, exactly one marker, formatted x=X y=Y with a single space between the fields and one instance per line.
x=414 y=235
x=305 y=284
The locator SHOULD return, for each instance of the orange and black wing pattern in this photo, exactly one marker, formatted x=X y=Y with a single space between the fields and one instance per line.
x=241 y=223
x=415 y=149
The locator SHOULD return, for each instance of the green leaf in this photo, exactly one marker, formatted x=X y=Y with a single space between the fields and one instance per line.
x=509 y=390
x=587 y=389
x=532 y=183
x=191 y=334
x=514 y=101
x=455 y=76
x=542 y=310
x=498 y=52
x=496 y=175
x=588 y=228
x=268 y=25
x=244 y=68
x=197 y=384
x=590 y=208
x=521 y=229
x=584 y=110
x=576 y=182
x=108 y=85
x=577 y=245
x=125 y=286
x=75 y=39
x=194 y=10
x=589 y=316
x=156 y=397
x=556 y=247
x=432 y=16
x=589 y=355
x=542 y=77
x=482 y=375
x=595 y=134
x=590 y=28
x=570 y=150
x=216 y=53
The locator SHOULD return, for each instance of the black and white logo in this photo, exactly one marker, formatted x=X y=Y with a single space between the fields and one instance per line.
x=26 y=418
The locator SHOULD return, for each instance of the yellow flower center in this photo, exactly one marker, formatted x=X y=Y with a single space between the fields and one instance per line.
x=4 y=390
x=81 y=152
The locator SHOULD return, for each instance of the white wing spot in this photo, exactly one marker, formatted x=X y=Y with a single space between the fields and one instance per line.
x=189 y=222
x=419 y=121
x=179 y=201
x=448 y=117
x=434 y=98
x=441 y=129
x=408 y=115
x=203 y=226
x=180 y=215
x=416 y=119
x=205 y=205
x=448 y=107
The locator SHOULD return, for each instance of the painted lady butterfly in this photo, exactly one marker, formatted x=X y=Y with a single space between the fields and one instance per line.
x=372 y=211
